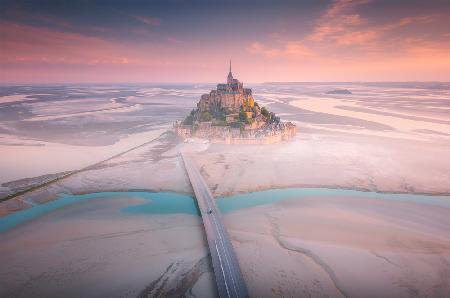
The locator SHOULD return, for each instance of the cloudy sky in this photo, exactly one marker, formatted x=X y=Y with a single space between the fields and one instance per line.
x=191 y=41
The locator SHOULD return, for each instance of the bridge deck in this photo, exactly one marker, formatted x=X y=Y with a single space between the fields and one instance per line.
x=225 y=265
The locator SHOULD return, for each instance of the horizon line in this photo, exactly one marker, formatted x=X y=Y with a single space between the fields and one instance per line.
x=3 y=84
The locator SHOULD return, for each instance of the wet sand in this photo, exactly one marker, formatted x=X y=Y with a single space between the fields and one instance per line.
x=319 y=159
x=343 y=247
x=320 y=246
x=93 y=249
x=382 y=137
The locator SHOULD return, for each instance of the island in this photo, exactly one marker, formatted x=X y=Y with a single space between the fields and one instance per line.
x=339 y=91
x=229 y=114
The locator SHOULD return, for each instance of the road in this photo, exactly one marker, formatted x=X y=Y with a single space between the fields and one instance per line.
x=229 y=280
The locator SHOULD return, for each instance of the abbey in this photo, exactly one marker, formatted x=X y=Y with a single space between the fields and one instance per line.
x=231 y=115
x=230 y=96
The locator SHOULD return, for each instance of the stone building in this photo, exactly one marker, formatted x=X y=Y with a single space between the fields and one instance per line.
x=230 y=96
x=229 y=114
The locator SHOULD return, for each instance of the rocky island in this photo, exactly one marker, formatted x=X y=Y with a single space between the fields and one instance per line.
x=339 y=91
x=231 y=115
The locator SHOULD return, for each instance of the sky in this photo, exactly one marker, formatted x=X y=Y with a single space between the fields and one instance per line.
x=192 y=41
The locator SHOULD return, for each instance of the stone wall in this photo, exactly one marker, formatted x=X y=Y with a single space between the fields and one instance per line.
x=229 y=99
x=229 y=135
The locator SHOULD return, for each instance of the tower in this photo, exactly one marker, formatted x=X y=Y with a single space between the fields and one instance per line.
x=230 y=76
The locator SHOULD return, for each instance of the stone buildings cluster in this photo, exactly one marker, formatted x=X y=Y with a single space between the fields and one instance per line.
x=229 y=114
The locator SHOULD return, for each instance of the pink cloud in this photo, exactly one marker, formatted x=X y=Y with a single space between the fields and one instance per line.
x=258 y=48
x=350 y=46
x=341 y=26
x=291 y=50
x=366 y=37
x=174 y=40
x=415 y=20
x=27 y=44
x=342 y=45
x=339 y=18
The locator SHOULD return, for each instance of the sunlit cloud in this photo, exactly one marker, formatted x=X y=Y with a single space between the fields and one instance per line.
x=337 y=19
x=342 y=33
x=23 y=43
x=291 y=50
x=343 y=40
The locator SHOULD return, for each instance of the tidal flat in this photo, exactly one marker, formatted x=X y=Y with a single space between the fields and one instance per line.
x=317 y=242
x=316 y=245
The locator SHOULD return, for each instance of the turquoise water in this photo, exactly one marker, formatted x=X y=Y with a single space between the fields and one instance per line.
x=154 y=202
x=173 y=203
x=236 y=202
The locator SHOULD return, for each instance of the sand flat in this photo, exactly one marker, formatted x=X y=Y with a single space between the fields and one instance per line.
x=400 y=124
x=93 y=249
x=325 y=246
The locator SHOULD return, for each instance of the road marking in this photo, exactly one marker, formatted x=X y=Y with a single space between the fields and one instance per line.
x=226 y=256
x=223 y=272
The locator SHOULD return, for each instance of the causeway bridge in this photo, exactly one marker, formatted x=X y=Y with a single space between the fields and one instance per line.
x=229 y=280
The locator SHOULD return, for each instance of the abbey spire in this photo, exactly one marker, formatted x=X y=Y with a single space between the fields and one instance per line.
x=230 y=75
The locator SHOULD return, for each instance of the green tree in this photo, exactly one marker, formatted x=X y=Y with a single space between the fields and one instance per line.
x=189 y=120
x=221 y=114
x=265 y=112
x=206 y=116
x=242 y=116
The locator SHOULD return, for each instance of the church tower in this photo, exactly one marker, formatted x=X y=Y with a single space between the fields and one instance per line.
x=230 y=76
